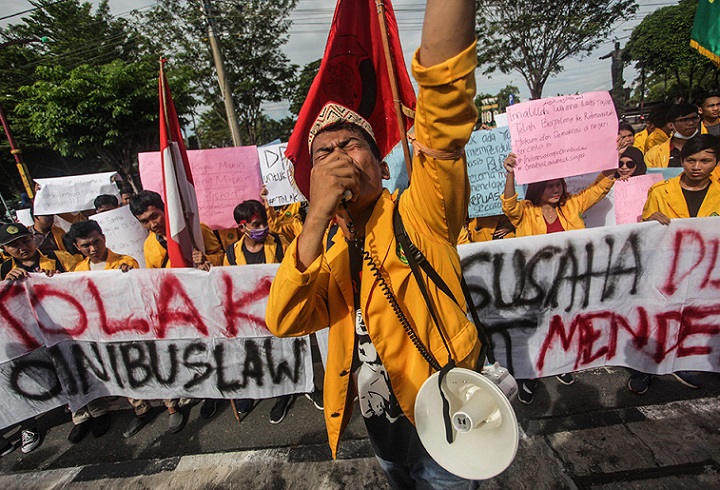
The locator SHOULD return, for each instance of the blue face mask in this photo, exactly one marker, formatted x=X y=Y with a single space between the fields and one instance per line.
x=258 y=235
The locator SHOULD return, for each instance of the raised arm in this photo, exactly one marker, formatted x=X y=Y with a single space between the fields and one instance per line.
x=448 y=29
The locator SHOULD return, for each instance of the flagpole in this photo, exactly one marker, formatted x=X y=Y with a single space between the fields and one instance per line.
x=163 y=95
x=394 y=86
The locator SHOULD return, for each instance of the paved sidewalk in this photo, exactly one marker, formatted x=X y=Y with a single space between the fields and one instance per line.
x=667 y=445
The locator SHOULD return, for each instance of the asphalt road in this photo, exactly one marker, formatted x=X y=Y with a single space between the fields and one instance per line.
x=599 y=399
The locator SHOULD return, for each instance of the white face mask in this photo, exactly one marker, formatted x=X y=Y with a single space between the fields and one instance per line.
x=681 y=137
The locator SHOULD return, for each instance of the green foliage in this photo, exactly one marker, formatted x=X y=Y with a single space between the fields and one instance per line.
x=304 y=81
x=534 y=37
x=250 y=33
x=660 y=45
x=87 y=99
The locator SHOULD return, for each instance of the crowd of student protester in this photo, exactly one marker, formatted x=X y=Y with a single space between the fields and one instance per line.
x=676 y=135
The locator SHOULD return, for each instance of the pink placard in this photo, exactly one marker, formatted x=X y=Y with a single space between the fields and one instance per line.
x=563 y=136
x=224 y=177
x=630 y=197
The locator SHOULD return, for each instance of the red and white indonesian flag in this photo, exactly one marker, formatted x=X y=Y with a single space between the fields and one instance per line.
x=182 y=221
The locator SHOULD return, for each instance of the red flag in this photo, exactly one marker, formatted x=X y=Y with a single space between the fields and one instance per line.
x=182 y=221
x=353 y=73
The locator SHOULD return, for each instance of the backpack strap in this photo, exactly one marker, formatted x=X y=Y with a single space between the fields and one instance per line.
x=230 y=254
x=279 y=253
x=6 y=267
x=332 y=231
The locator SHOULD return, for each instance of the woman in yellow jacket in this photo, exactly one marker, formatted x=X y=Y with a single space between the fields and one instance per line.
x=548 y=208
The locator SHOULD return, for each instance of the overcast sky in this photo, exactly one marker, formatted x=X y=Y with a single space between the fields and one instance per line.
x=311 y=24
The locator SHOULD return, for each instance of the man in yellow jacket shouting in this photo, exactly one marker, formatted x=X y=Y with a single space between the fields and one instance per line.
x=344 y=282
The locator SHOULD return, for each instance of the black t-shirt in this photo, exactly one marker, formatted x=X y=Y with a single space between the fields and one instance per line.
x=675 y=158
x=254 y=257
x=694 y=200
x=388 y=428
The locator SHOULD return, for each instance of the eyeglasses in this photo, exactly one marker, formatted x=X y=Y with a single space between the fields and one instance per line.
x=687 y=120
x=630 y=164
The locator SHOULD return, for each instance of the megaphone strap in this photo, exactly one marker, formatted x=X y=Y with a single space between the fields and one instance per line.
x=449 y=434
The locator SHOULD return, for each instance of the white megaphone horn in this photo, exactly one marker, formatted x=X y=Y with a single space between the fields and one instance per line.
x=485 y=430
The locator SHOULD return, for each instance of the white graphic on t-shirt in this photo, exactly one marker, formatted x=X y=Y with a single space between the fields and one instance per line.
x=372 y=380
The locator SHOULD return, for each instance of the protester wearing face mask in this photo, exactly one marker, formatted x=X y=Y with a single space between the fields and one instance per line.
x=685 y=123
x=257 y=246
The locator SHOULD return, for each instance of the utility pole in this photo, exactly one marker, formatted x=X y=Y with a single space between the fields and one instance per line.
x=14 y=150
x=225 y=88
x=17 y=153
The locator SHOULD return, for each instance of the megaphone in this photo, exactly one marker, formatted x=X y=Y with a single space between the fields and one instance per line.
x=485 y=429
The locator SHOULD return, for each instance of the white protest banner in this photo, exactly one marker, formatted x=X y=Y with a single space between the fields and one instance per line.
x=640 y=295
x=147 y=333
x=24 y=216
x=123 y=232
x=224 y=177
x=563 y=136
x=630 y=197
x=643 y=295
x=277 y=175
x=603 y=213
x=73 y=193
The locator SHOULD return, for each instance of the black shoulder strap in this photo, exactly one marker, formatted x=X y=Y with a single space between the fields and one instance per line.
x=230 y=254
x=279 y=254
x=5 y=268
x=331 y=234
x=59 y=266
x=416 y=258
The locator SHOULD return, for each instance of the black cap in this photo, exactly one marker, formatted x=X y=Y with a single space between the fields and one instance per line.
x=12 y=231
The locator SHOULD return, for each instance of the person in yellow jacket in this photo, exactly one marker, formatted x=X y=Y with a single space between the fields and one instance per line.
x=341 y=284
x=684 y=123
x=486 y=228
x=694 y=193
x=641 y=136
x=257 y=245
x=149 y=209
x=47 y=236
x=548 y=207
x=17 y=242
x=661 y=132
x=88 y=238
x=709 y=104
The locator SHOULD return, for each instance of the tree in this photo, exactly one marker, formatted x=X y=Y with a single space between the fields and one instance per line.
x=91 y=92
x=660 y=45
x=110 y=111
x=75 y=36
x=304 y=81
x=503 y=97
x=534 y=37
x=251 y=34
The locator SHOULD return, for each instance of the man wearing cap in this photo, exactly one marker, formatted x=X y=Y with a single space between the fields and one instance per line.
x=17 y=242
x=342 y=283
